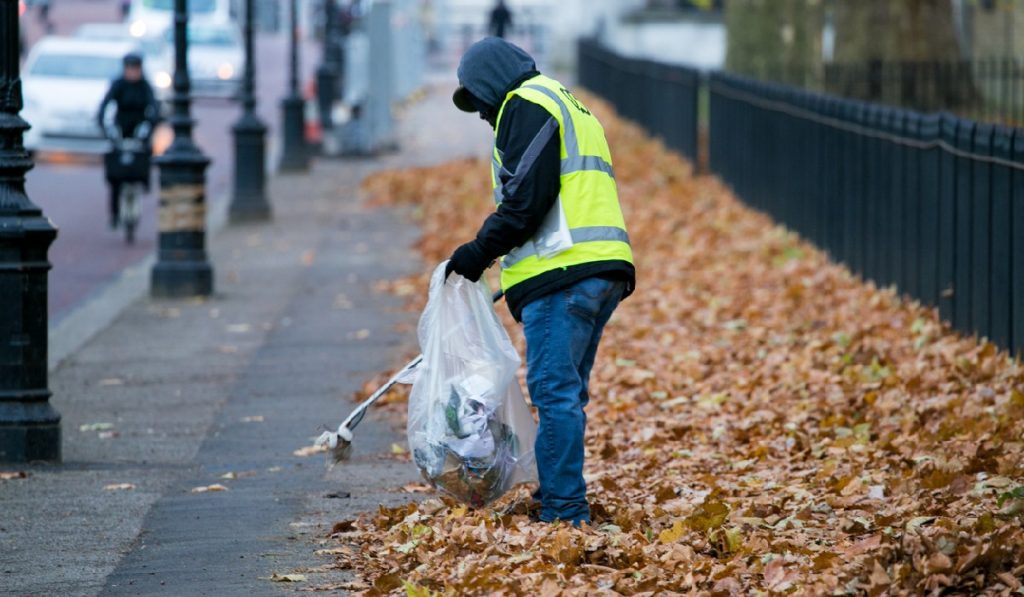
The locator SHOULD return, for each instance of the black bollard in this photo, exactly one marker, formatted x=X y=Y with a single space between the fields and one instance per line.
x=249 y=200
x=182 y=268
x=29 y=425
x=295 y=153
x=326 y=73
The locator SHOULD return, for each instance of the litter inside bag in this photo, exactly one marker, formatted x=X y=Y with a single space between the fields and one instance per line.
x=470 y=431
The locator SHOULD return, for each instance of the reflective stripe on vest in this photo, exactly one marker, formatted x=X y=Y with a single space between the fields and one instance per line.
x=579 y=235
x=496 y=169
x=573 y=162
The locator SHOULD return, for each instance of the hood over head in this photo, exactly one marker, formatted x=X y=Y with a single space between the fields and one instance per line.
x=489 y=69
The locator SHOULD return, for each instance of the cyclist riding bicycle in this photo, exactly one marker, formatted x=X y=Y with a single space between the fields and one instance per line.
x=137 y=113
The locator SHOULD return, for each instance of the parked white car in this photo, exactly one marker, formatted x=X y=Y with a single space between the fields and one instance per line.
x=63 y=83
x=153 y=17
x=151 y=47
x=215 y=61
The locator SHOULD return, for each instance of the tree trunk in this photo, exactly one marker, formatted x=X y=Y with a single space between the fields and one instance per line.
x=903 y=31
x=906 y=53
x=996 y=45
x=775 y=39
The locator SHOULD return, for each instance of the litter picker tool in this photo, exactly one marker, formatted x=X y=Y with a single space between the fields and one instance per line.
x=339 y=443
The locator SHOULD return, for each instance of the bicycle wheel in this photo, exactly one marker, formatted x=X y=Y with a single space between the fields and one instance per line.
x=129 y=214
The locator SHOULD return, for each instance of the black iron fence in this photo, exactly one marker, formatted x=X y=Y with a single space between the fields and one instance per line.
x=929 y=202
x=661 y=98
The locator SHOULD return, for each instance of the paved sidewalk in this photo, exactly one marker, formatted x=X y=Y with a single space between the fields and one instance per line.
x=178 y=395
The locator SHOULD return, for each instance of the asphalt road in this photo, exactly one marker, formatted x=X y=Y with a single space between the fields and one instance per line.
x=87 y=254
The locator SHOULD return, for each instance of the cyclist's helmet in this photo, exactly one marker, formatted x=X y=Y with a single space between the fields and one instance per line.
x=133 y=59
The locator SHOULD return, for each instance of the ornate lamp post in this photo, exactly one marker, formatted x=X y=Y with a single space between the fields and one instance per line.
x=29 y=425
x=249 y=202
x=182 y=268
x=295 y=154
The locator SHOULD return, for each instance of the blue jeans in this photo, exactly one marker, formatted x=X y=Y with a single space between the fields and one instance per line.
x=562 y=332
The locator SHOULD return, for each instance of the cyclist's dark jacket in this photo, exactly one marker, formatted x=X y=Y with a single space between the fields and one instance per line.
x=135 y=104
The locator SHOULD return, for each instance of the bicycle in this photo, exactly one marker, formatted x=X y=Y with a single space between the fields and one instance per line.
x=128 y=164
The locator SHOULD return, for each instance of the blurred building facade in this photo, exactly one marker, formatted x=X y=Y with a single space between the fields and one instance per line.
x=549 y=28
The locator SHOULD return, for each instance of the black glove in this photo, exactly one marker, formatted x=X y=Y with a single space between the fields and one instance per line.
x=467 y=261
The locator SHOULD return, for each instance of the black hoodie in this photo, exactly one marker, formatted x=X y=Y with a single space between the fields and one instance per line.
x=489 y=70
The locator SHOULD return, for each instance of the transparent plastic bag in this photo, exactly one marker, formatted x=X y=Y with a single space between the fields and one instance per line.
x=470 y=431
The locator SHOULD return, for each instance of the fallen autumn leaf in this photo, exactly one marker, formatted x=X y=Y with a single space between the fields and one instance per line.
x=288 y=577
x=208 y=488
x=119 y=487
x=760 y=419
x=309 y=451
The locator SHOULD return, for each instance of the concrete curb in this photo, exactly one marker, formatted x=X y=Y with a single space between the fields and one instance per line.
x=97 y=313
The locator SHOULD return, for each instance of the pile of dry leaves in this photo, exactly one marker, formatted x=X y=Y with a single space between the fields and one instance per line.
x=760 y=421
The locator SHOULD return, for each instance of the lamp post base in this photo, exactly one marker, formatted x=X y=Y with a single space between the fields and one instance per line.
x=181 y=279
x=249 y=203
x=29 y=432
x=30 y=443
x=326 y=95
x=29 y=425
x=295 y=153
x=249 y=211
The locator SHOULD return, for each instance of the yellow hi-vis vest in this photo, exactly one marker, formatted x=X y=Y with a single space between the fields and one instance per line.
x=588 y=197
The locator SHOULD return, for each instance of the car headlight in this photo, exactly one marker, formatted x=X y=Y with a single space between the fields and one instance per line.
x=225 y=71
x=162 y=80
x=137 y=28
